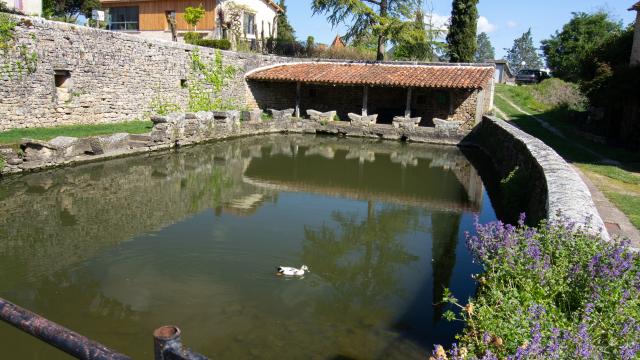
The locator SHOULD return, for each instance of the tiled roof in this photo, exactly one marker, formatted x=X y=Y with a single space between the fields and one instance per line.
x=427 y=76
x=635 y=7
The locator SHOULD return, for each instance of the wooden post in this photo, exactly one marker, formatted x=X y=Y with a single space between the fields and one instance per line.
x=407 y=111
x=365 y=94
x=298 y=86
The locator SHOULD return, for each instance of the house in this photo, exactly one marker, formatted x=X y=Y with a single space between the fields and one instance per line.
x=149 y=18
x=503 y=74
x=27 y=7
x=338 y=43
x=635 y=50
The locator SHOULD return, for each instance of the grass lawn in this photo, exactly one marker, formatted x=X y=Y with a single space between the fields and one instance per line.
x=132 y=127
x=621 y=184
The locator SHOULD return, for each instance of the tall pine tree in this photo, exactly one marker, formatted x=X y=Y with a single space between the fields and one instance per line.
x=462 y=31
x=285 y=31
x=523 y=54
x=485 y=49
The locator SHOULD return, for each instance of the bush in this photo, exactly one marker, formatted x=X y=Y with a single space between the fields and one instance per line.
x=192 y=38
x=556 y=93
x=552 y=292
x=222 y=44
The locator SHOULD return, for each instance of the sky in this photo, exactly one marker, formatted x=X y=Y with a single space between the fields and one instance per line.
x=502 y=20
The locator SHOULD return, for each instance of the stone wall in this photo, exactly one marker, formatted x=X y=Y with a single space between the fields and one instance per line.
x=86 y=75
x=551 y=186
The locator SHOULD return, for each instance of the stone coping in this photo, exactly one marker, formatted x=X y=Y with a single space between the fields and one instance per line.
x=564 y=192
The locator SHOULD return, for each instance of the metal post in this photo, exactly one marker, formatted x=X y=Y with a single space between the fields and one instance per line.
x=167 y=345
x=407 y=111
x=56 y=335
x=365 y=94
x=298 y=86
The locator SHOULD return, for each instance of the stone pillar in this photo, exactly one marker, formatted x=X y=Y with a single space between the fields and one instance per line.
x=297 y=112
x=635 y=50
x=365 y=94
x=407 y=109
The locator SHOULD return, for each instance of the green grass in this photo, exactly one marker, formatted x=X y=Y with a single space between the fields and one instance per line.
x=628 y=204
x=613 y=172
x=132 y=127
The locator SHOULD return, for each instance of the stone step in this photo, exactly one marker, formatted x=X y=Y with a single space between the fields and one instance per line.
x=139 y=137
x=137 y=143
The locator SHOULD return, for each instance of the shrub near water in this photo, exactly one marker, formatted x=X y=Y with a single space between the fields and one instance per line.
x=555 y=292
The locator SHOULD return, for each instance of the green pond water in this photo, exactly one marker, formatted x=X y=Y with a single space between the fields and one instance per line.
x=192 y=238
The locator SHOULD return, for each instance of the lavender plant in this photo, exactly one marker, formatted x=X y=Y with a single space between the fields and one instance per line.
x=552 y=292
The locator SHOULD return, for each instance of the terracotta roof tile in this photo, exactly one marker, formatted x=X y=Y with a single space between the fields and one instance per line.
x=427 y=76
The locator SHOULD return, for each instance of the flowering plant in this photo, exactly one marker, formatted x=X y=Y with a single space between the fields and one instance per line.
x=552 y=292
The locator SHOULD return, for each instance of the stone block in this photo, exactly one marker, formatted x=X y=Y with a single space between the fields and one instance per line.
x=281 y=115
x=447 y=124
x=362 y=120
x=37 y=150
x=110 y=143
x=252 y=116
x=321 y=116
x=405 y=122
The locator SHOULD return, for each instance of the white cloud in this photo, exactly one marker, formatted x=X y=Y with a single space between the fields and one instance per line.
x=440 y=22
x=485 y=26
x=511 y=24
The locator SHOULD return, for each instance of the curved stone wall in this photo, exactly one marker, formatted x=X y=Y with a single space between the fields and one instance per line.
x=552 y=186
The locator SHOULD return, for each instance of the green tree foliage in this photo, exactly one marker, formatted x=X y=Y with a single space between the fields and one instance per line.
x=285 y=33
x=523 y=51
x=568 y=50
x=462 y=32
x=68 y=10
x=193 y=15
x=379 y=18
x=485 y=50
x=411 y=41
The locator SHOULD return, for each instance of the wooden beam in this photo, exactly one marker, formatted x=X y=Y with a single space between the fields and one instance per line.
x=365 y=95
x=298 y=86
x=407 y=110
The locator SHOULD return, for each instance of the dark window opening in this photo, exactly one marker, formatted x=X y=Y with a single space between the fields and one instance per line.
x=249 y=22
x=62 y=78
x=124 y=18
x=183 y=83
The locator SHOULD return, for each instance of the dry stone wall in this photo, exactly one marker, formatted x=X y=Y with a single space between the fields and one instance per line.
x=85 y=75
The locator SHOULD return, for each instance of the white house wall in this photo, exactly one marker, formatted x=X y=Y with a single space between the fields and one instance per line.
x=265 y=14
x=29 y=7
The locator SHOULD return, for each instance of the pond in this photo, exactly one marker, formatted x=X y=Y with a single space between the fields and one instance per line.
x=192 y=238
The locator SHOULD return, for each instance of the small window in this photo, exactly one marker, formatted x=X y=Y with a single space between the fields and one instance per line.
x=183 y=83
x=249 y=22
x=124 y=18
x=62 y=79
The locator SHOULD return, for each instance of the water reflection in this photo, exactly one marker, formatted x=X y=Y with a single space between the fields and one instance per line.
x=117 y=248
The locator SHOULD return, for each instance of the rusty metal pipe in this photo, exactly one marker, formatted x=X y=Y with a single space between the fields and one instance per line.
x=167 y=345
x=56 y=335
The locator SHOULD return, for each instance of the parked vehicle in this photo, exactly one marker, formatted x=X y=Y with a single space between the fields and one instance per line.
x=530 y=76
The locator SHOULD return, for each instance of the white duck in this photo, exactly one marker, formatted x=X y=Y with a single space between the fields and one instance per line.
x=291 y=271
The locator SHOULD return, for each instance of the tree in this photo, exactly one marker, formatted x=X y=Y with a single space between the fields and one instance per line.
x=193 y=15
x=285 y=32
x=68 y=10
x=523 y=51
x=568 y=50
x=462 y=31
x=311 y=45
x=485 y=50
x=376 y=17
x=411 y=41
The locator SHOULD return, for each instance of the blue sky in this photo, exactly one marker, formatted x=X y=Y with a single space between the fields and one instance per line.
x=503 y=20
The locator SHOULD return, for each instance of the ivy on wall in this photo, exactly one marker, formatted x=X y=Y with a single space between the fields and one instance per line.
x=18 y=59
